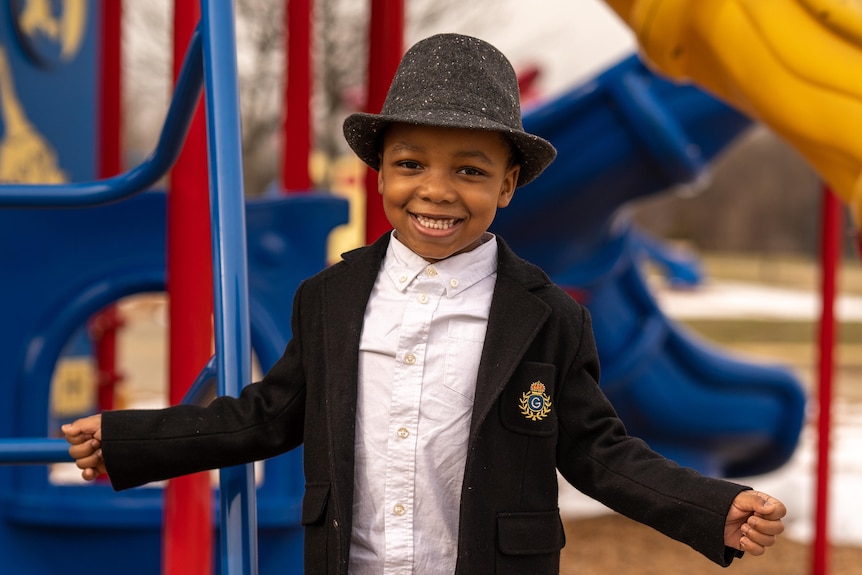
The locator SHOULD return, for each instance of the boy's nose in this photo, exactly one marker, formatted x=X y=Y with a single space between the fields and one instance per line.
x=437 y=188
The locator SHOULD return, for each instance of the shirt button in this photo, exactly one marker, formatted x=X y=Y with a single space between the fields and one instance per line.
x=409 y=359
x=423 y=298
x=453 y=282
x=402 y=278
x=431 y=272
x=403 y=433
x=398 y=509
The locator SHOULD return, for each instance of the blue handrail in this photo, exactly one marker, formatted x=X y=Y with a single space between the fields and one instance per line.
x=139 y=178
x=211 y=58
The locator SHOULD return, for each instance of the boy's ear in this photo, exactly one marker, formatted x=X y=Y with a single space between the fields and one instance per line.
x=510 y=182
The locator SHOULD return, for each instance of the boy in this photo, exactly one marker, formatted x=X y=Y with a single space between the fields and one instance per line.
x=436 y=380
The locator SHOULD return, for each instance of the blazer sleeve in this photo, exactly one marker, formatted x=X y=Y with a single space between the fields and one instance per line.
x=598 y=457
x=140 y=446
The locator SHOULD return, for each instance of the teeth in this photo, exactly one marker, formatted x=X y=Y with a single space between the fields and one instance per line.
x=435 y=224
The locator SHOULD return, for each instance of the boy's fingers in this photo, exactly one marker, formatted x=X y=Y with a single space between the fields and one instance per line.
x=769 y=507
x=88 y=427
x=84 y=449
x=759 y=537
x=765 y=526
x=760 y=503
x=77 y=439
x=91 y=473
x=751 y=547
x=91 y=461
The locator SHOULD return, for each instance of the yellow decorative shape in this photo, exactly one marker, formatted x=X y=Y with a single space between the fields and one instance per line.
x=843 y=16
x=25 y=156
x=73 y=387
x=37 y=17
x=792 y=64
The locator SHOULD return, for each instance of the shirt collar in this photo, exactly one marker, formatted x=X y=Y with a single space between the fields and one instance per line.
x=455 y=273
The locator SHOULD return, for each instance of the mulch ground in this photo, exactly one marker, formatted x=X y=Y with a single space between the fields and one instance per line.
x=615 y=545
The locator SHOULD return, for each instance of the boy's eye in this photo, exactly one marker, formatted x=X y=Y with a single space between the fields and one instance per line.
x=470 y=171
x=409 y=164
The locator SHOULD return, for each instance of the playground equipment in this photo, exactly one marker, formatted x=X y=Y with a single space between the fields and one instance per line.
x=32 y=352
x=791 y=64
x=57 y=290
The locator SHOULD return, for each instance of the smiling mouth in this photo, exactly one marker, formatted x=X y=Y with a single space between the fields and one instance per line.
x=436 y=223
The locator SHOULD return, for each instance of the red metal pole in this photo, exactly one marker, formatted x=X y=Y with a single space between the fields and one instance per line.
x=830 y=250
x=295 y=173
x=187 y=532
x=103 y=327
x=386 y=37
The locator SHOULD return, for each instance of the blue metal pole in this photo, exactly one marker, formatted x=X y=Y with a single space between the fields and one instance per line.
x=232 y=330
x=33 y=451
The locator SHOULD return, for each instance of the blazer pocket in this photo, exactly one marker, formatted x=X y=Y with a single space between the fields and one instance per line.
x=314 y=503
x=527 y=404
x=530 y=533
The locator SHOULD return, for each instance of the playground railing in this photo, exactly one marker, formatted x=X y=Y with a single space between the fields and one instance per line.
x=211 y=61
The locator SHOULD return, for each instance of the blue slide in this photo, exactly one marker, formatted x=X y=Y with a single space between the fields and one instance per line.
x=624 y=135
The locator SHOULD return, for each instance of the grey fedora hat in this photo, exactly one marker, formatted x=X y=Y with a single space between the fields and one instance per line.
x=455 y=81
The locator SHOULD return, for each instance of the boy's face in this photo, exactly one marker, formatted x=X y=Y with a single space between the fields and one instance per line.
x=441 y=187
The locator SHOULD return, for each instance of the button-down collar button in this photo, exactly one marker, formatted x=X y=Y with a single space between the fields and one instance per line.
x=402 y=278
x=453 y=282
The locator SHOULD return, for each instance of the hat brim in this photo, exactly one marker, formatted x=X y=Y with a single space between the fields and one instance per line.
x=363 y=132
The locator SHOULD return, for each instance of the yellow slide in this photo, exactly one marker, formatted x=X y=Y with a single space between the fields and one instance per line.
x=795 y=65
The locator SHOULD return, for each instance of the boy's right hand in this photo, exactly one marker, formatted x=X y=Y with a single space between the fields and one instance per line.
x=85 y=439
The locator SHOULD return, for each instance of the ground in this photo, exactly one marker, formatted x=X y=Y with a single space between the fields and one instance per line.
x=612 y=544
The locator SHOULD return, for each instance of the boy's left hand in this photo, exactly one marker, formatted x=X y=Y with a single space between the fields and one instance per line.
x=753 y=522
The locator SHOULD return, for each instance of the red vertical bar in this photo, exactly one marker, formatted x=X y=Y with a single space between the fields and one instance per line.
x=110 y=121
x=295 y=175
x=386 y=37
x=830 y=250
x=103 y=327
x=187 y=533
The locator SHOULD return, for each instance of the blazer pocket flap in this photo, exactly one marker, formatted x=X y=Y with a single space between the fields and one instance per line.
x=530 y=533
x=314 y=503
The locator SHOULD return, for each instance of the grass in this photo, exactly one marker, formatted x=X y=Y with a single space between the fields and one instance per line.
x=788 y=271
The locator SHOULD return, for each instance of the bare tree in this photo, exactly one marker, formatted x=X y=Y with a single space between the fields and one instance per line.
x=340 y=60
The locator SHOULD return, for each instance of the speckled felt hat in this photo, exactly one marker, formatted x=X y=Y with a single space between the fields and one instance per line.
x=455 y=81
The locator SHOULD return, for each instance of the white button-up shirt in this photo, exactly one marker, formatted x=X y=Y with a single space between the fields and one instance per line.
x=419 y=355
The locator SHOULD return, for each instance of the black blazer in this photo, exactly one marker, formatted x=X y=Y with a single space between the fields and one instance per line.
x=509 y=518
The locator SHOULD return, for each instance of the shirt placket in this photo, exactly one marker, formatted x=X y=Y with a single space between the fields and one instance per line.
x=423 y=297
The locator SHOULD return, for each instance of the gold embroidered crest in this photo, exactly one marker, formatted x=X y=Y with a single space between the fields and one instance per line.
x=535 y=404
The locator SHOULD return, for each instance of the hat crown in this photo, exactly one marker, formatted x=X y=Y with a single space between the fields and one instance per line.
x=459 y=75
x=452 y=81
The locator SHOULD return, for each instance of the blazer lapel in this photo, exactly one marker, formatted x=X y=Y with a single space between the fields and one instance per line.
x=515 y=318
x=345 y=298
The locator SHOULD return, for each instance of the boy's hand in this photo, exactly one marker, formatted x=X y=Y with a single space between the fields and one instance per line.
x=85 y=439
x=753 y=522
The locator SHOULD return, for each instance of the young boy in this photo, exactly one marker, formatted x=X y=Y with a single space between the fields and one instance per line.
x=436 y=380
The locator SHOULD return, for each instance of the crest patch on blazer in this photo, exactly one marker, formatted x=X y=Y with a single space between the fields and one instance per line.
x=535 y=404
